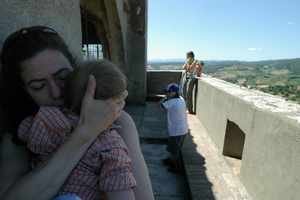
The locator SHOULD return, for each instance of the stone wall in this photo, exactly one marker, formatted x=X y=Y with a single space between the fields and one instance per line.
x=157 y=80
x=136 y=47
x=270 y=160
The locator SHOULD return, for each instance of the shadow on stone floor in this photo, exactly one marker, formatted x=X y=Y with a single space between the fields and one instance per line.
x=194 y=163
x=152 y=126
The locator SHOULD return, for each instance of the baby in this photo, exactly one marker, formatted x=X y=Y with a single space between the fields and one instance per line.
x=106 y=166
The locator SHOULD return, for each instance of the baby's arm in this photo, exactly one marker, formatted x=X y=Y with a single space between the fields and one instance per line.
x=116 y=177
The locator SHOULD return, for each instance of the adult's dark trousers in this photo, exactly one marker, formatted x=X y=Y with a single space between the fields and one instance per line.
x=189 y=92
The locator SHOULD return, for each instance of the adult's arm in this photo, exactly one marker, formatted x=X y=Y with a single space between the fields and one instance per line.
x=184 y=66
x=43 y=183
x=199 y=67
x=129 y=133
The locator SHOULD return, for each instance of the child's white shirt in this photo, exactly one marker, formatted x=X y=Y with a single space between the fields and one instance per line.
x=177 y=117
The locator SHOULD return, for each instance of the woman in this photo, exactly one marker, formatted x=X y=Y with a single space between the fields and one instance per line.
x=35 y=62
x=193 y=69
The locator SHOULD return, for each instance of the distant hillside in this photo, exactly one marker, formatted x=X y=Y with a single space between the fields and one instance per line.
x=212 y=66
x=278 y=77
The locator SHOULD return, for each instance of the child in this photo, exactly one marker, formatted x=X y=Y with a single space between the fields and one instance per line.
x=177 y=125
x=105 y=167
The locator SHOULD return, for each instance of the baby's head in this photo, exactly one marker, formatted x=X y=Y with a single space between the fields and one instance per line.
x=110 y=82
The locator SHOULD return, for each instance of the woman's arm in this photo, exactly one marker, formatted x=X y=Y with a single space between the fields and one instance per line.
x=129 y=133
x=44 y=182
x=14 y=162
x=199 y=68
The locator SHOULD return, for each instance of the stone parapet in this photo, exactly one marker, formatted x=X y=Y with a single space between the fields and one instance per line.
x=260 y=129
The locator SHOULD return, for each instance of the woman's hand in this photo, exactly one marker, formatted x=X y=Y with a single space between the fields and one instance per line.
x=97 y=115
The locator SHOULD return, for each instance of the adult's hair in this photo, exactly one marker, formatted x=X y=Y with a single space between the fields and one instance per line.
x=18 y=47
x=110 y=81
x=190 y=54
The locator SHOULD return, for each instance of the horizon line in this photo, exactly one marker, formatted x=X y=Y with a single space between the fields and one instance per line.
x=237 y=60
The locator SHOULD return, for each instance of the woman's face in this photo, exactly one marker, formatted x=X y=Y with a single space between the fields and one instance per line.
x=44 y=77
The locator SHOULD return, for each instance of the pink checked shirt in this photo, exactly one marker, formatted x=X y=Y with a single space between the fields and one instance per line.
x=105 y=166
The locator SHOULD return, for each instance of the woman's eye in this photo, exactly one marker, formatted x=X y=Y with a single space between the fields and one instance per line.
x=37 y=87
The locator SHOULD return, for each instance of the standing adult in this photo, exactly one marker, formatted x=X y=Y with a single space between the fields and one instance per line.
x=192 y=69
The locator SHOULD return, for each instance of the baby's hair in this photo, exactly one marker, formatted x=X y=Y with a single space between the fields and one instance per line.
x=110 y=82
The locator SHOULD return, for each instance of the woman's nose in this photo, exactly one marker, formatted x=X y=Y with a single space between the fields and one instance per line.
x=55 y=90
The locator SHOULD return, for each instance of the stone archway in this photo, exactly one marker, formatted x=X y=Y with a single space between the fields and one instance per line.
x=103 y=16
x=93 y=35
x=121 y=27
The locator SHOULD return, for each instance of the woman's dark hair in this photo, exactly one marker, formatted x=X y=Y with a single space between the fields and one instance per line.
x=190 y=54
x=18 y=47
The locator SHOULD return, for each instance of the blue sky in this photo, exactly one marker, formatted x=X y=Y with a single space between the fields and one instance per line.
x=224 y=29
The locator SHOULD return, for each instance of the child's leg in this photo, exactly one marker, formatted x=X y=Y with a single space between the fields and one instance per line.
x=174 y=147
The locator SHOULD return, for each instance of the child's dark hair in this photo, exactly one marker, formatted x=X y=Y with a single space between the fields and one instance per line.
x=110 y=82
x=18 y=47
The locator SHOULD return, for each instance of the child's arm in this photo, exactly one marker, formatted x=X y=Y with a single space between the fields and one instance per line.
x=121 y=195
x=161 y=103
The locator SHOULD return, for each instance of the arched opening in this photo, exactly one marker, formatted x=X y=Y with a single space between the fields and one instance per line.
x=94 y=41
x=118 y=29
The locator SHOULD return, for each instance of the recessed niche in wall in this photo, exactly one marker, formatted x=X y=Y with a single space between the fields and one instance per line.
x=234 y=145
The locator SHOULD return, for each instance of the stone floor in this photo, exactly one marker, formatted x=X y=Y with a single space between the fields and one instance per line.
x=151 y=124
x=208 y=175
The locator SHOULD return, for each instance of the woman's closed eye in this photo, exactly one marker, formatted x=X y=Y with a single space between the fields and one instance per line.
x=37 y=85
